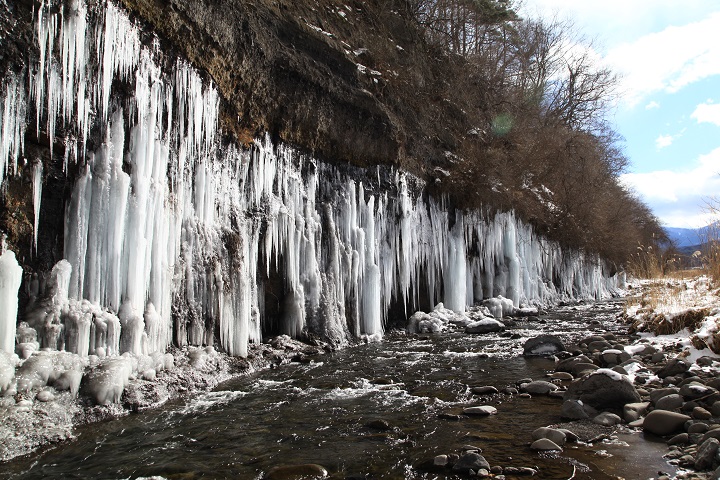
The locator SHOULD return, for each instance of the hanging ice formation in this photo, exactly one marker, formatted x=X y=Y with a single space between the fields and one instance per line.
x=172 y=236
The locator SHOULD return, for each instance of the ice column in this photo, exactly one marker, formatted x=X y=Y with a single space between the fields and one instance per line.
x=37 y=196
x=10 y=279
x=455 y=272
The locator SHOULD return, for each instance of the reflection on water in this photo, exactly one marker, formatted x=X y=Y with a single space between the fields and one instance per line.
x=319 y=413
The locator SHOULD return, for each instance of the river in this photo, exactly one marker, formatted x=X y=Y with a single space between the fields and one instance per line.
x=328 y=412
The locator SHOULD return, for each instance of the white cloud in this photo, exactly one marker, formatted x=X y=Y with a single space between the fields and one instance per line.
x=652 y=105
x=656 y=45
x=678 y=198
x=668 y=60
x=707 y=113
x=663 y=141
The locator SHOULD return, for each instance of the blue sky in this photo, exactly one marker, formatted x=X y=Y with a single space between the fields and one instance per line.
x=667 y=53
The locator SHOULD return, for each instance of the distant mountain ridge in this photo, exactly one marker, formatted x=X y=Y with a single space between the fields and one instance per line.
x=688 y=237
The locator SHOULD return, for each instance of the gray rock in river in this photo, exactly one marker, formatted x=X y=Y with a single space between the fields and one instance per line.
x=603 y=389
x=663 y=422
x=538 y=387
x=484 y=390
x=470 y=461
x=543 y=345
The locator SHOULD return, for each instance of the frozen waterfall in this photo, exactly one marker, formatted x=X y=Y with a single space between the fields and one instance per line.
x=173 y=236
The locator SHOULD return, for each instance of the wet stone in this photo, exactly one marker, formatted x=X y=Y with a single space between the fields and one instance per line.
x=670 y=402
x=698 y=427
x=485 y=390
x=679 y=439
x=663 y=422
x=706 y=454
x=700 y=413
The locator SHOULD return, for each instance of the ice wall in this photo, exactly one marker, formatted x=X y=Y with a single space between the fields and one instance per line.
x=172 y=235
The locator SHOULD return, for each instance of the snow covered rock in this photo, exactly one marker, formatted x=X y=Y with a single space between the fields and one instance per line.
x=486 y=325
x=543 y=345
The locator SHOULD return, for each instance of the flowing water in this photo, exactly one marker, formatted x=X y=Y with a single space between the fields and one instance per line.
x=319 y=413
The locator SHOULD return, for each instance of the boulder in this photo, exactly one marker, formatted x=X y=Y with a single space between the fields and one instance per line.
x=543 y=345
x=470 y=461
x=664 y=422
x=603 y=389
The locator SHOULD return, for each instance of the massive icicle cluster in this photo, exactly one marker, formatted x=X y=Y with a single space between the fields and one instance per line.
x=171 y=235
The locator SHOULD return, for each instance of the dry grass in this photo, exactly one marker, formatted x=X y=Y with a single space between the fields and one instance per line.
x=660 y=324
x=671 y=304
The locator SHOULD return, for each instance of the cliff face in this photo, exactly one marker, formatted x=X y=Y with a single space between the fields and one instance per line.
x=343 y=80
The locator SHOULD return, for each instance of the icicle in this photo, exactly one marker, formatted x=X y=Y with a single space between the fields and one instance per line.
x=13 y=108
x=10 y=279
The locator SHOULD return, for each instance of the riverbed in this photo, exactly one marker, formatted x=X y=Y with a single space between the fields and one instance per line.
x=378 y=410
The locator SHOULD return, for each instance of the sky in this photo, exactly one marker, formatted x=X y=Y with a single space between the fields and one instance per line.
x=667 y=54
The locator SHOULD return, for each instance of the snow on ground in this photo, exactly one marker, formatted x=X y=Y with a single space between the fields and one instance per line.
x=675 y=311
